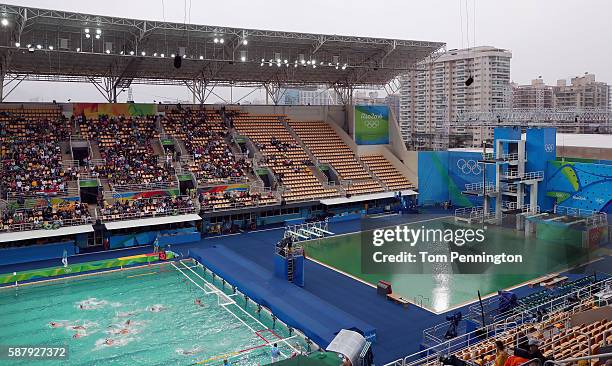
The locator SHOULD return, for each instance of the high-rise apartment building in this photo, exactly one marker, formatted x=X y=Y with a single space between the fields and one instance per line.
x=536 y=95
x=432 y=96
x=582 y=92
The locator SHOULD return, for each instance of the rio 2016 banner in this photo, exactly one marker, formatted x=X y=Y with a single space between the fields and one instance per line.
x=371 y=124
x=93 y=110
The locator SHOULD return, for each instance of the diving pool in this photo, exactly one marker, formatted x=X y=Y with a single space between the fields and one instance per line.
x=439 y=292
x=143 y=316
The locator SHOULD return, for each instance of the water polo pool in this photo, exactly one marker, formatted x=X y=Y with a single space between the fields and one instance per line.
x=144 y=316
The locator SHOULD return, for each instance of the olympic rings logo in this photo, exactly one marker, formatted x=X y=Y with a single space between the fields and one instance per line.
x=549 y=148
x=372 y=124
x=469 y=166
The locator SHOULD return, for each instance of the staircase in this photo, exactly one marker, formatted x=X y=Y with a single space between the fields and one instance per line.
x=95 y=150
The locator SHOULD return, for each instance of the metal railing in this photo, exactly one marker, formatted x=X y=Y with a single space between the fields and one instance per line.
x=478 y=187
x=145 y=214
x=212 y=207
x=144 y=187
x=50 y=225
x=524 y=176
x=67 y=192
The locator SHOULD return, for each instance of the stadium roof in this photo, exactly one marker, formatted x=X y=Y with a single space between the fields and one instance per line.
x=66 y=46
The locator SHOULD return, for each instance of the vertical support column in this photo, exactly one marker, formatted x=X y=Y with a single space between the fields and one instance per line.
x=1 y=84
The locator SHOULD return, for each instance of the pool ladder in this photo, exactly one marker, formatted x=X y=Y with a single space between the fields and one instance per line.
x=290 y=266
x=420 y=300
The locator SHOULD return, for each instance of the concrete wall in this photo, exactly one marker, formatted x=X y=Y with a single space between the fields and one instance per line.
x=334 y=113
x=595 y=153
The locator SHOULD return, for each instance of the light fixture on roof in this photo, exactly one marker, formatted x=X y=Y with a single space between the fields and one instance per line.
x=121 y=53
x=245 y=42
x=87 y=35
x=98 y=31
x=86 y=30
x=97 y=36
x=216 y=40
x=17 y=44
x=143 y=53
x=38 y=46
x=313 y=61
x=221 y=41
x=162 y=55
x=201 y=57
x=184 y=56
x=79 y=50
x=4 y=22
x=314 y=66
x=51 y=48
x=344 y=67
x=243 y=55
x=173 y=55
x=30 y=48
x=307 y=62
x=131 y=53
x=107 y=52
x=337 y=67
x=261 y=64
x=154 y=54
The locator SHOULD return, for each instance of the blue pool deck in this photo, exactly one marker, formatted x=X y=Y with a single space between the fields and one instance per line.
x=329 y=299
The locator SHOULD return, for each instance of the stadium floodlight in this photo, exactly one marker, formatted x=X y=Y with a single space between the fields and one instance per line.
x=87 y=35
x=17 y=44
x=79 y=50
x=107 y=52
x=216 y=40
x=261 y=64
x=51 y=48
x=243 y=55
x=184 y=56
x=121 y=53
x=308 y=62
x=314 y=66
x=38 y=46
x=173 y=55
x=143 y=53
x=242 y=58
x=154 y=54
x=221 y=41
x=344 y=67
x=98 y=31
x=131 y=53
x=321 y=63
x=285 y=61
x=303 y=62
x=97 y=36
x=4 y=22
x=30 y=49
x=86 y=30
x=162 y=55
x=245 y=42
x=313 y=61
x=201 y=57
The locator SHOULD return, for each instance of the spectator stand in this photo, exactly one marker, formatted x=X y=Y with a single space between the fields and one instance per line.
x=582 y=292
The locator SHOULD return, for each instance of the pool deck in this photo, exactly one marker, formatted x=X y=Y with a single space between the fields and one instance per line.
x=398 y=330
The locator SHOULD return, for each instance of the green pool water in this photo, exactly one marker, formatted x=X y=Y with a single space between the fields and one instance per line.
x=443 y=291
x=166 y=326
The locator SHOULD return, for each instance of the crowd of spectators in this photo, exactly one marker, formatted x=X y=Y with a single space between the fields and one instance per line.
x=155 y=206
x=32 y=157
x=128 y=156
x=205 y=138
x=234 y=198
x=48 y=217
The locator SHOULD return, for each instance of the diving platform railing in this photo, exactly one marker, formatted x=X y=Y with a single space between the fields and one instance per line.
x=308 y=230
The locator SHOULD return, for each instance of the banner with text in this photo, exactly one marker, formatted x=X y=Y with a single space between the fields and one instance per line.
x=371 y=124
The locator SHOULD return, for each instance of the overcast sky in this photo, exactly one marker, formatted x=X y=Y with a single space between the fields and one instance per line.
x=552 y=38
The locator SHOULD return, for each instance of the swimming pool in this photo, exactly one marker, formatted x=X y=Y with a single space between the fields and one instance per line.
x=143 y=316
x=440 y=292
